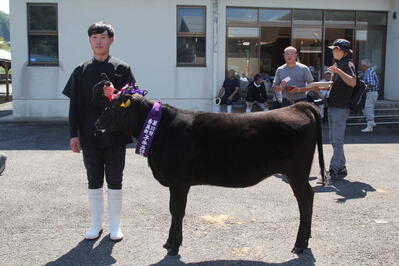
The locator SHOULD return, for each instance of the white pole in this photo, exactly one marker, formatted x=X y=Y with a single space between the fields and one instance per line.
x=215 y=20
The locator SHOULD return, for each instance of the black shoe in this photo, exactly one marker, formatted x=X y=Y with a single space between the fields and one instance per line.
x=342 y=172
x=332 y=175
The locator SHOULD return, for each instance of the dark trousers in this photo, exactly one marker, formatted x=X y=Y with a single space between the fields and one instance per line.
x=277 y=105
x=110 y=160
x=224 y=99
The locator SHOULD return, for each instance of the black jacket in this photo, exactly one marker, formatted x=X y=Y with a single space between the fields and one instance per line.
x=341 y=93
x=83 y=113
x=256 y=93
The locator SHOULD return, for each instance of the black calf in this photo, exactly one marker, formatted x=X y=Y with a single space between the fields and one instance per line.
x=230 y=150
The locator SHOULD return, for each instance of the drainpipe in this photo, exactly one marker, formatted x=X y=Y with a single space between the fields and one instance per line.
x=215 y=20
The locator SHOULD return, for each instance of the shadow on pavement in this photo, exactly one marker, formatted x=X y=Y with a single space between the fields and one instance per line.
x=5 y=112
x=285 y=179
x=380 y=135
x=346 y=189
x=34 y=136
x=46 y=135
x=86 y=254
x=306 y=258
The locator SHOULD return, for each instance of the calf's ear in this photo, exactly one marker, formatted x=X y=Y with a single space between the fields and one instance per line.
x=145 y=92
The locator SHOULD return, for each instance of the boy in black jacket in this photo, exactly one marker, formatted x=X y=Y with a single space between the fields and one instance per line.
x=102 y=152
x=256 y=93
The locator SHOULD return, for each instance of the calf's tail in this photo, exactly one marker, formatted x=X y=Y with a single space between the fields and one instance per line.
x=317 y=116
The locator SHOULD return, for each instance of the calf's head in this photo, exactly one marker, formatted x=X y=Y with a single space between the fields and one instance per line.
x=123 y=114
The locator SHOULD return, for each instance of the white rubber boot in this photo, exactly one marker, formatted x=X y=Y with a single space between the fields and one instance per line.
x=216 y=109
x=229 y=108
x=115 y=207
x=96 y=206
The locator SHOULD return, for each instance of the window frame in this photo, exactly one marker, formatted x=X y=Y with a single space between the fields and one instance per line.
x=191 y=34
x=41 y=33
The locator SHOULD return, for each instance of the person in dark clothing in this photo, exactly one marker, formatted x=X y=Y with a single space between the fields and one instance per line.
x=88 y=88
x=256 y=93
x=229 y=92
x=339 y=99
x=3 y=159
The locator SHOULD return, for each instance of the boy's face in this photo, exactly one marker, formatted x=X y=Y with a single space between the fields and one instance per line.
x=258 y=81
x=100 y=43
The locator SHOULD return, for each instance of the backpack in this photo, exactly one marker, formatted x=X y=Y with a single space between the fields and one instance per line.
x=358 y=99
x=359 y=94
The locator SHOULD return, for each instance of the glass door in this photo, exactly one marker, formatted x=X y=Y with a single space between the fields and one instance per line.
x=242 y=50
x=307 y=38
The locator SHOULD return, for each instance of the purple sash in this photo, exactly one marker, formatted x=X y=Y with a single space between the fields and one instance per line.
x=149 y=128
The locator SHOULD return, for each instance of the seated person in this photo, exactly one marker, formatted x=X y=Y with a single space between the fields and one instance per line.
x=324 y=93
x=256 y=93
x=229 y=91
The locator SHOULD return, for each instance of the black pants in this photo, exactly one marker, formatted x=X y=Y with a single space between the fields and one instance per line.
x=110 y=160
x=224 y=99
x=277 y=105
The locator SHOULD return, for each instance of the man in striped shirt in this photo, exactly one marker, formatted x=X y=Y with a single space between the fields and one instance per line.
x=370 y=78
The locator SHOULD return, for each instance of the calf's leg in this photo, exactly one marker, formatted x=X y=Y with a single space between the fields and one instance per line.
x=304 y=194
x=177 y=207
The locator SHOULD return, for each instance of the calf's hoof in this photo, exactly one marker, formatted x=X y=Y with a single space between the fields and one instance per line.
x=297 y=250
x=167 y=245
x=173 y=251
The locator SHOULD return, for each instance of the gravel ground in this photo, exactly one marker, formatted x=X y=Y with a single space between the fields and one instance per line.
x=43 y=210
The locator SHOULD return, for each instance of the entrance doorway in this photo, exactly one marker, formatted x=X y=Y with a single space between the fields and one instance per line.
x=273 y=41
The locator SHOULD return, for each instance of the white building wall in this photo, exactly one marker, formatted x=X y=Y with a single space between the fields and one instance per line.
x=145 y=38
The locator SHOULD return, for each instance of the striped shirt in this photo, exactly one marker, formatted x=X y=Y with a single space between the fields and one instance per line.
x=370 y=78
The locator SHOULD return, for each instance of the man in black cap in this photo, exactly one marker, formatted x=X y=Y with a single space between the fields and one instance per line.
x=344 y=80
x=103 y=152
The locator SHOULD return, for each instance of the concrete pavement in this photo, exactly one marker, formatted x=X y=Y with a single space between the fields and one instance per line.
x=43 y=209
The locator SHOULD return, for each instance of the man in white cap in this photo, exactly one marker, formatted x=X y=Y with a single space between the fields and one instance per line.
x=371 y=80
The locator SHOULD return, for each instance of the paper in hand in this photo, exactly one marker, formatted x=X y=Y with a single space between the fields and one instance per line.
x=287 y=79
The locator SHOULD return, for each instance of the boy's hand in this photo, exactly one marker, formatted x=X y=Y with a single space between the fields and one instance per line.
x=108 y=89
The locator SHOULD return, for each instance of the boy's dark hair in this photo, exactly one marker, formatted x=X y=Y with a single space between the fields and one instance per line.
x=100 y=27
x=256 y=77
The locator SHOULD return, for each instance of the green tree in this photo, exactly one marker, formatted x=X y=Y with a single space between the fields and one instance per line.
x=5 y=26
x=4 y=45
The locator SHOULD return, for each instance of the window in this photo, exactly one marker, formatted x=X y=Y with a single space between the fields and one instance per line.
x=307 y=17
x=242 y=50
x=191 y=33
x=256 y=38
x=275 y=17
x=308 y=41
x=340 y=19
x=42 y=34
x=242 y=15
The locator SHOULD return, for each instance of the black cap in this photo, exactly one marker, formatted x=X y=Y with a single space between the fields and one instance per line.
x=342 y=44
